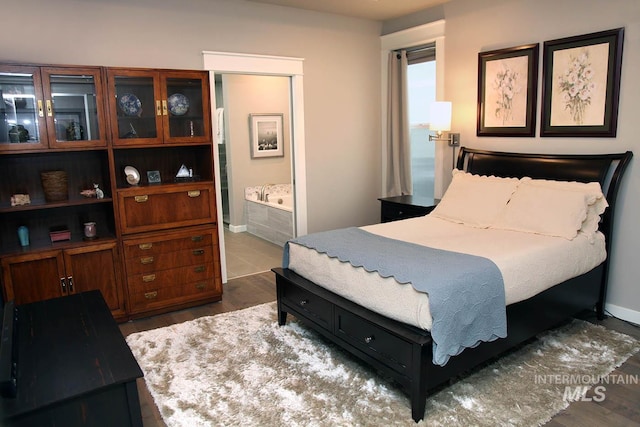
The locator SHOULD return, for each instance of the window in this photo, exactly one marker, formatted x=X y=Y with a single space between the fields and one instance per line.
x=421 y=76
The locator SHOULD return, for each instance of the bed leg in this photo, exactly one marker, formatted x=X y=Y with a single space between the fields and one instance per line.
x=282 y=317
x=418 y=405
x=600 y=311
x=418 y=388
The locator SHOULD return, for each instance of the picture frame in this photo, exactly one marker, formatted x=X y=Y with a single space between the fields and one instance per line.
x=581 y=87
x=153 y=177
x=508 y=91
x=266 y=135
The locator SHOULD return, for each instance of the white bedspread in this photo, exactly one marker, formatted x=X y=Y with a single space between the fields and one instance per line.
x=530 y=263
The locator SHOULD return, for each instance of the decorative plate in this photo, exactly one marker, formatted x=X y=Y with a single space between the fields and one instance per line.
x=130 y=104
x=178 y=104
x=133 y=176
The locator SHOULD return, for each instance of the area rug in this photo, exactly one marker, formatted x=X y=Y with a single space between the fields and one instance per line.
x=242 y=369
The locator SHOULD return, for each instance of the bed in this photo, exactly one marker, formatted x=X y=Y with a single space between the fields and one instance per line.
x=327 y=294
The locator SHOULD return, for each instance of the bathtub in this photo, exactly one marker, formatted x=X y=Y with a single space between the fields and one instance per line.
x=270 y=219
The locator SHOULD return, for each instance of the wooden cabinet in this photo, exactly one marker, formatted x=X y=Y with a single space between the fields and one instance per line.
x=51 y=107
x=74 y=367
x=88 y=124
x=158 y=106
x=172 y=268
x=54 y=273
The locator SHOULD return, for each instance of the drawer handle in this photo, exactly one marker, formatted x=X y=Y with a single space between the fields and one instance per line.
x=151 y=295
x=145 y=246
x=149 y=278
x=193 y=193
x=201 y=285
x=199 y=269
x=369 y=339
x=198 y=251
x=196 y=238
x=304 y=302
x=141 y=199
x=146 y=260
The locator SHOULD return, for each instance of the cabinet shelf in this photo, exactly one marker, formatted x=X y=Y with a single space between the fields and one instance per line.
x=41 y=204
x=41 y=244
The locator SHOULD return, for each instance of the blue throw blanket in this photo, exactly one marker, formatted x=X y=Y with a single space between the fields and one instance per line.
x=466 y=292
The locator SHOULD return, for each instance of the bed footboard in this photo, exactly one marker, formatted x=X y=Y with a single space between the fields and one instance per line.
x=403 y=352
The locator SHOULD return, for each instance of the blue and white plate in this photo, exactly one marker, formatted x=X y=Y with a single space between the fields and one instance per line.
x=178 y=104
x=130 y=104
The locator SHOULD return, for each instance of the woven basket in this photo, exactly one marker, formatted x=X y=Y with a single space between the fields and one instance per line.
x=54 y=185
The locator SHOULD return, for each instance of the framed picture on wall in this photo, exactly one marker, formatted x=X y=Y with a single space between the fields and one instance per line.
x=581 y=88
x=265 y=132
x=507 y=91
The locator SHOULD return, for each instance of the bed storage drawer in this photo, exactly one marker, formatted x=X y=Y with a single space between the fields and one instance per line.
x=381 y=344
x=318 y=310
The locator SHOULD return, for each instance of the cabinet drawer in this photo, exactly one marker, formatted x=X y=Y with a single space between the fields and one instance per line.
x=163 y=207
x=168 y=260
x=158 y=297
x=150 y=246
x=170 y=278
x=393 y=212
x=318 y=309
x=379 y=343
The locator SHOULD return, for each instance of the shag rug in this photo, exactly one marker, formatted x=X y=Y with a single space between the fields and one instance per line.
x=241 y=368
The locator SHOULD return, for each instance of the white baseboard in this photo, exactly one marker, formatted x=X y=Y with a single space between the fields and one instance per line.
x=237 y=228
x=623 y=313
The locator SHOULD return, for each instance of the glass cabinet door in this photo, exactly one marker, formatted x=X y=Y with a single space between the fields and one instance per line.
x=185 y=107
x=22 y=123
x=74 y=107
x=134 y=103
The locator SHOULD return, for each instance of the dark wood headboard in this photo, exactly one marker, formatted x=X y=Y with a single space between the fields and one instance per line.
x=607 y=169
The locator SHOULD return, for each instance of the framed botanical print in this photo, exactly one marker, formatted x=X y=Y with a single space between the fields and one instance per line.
x=507 y=91
x=581 y=88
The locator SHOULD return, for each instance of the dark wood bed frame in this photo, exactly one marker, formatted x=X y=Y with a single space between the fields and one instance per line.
x=403 y=352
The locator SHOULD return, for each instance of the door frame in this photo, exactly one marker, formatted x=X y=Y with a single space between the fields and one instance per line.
x=243 y=63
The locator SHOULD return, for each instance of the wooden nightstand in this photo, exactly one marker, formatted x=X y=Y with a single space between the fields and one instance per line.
x=403 y=207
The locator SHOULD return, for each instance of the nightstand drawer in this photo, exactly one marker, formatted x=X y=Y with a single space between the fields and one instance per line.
x=403 y=207
x=395 y=212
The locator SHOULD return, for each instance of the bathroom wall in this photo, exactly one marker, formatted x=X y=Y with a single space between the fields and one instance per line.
x=244 y=95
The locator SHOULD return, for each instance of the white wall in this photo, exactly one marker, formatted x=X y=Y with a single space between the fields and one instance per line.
x=473 y=26
x=341 y=72
x=244 y=95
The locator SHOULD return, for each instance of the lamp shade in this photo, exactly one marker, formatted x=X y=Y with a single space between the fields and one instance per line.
x=440 y=116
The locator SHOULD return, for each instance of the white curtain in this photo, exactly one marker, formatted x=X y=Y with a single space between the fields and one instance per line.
x=398 y=142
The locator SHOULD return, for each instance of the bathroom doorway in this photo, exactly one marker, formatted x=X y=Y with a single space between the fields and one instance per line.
x=256 y=182
x=224 y=63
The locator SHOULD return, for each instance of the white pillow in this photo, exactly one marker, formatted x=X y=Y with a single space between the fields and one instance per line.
x=597 y=203
x=553 y=208
x=475 y=200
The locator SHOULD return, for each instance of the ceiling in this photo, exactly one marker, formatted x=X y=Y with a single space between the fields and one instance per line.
x=377 y=10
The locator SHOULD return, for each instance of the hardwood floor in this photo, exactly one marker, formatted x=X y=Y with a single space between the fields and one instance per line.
x=621 y=406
